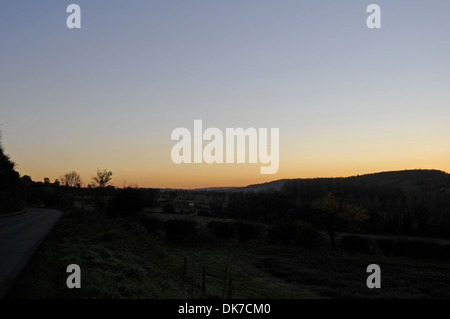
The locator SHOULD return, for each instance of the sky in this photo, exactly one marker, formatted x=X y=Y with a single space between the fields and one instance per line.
x=347 y=99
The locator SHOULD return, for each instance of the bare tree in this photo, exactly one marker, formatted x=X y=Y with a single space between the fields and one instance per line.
x=103 y=178
x=71 y=179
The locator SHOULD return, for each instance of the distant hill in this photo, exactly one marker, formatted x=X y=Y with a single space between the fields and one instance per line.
x=217 y=189
x=405 y=179
x=274 y=185
x=408 y=179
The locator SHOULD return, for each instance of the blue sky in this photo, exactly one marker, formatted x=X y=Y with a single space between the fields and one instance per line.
x=347 y=99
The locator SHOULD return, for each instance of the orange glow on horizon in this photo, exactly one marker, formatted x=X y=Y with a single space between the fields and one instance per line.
x=203 y=177
x=321 y=156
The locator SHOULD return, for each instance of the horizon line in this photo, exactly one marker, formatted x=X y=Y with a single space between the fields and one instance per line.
x=266 y=182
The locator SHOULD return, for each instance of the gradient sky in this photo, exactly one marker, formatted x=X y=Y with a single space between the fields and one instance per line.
x=347 y=99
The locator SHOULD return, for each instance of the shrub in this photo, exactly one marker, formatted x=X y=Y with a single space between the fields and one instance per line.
x=223 y=230
x=152 y=224
x=294 y=233
x=414 y=248
x=126 y=202
x=132 y=224
x=282 y=233
x=421 y=249
x=180 y=230
x=247 y=231
x=57 y=199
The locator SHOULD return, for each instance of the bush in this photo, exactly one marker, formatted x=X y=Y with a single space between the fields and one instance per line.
x=294 y=233
x=247 y=231
x=126 y=202
x=413 y=248
x=355 y=244
x=180 y=230
x=223 y=230
x=421 y=249
x=152 y=224
x=282 y=233
x=57 y=199
x=132 y=224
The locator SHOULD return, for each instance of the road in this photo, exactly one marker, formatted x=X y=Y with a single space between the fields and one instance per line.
x=20 y=236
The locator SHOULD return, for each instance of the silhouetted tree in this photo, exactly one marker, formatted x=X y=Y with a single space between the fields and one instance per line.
x=11 y=194
x=101 y=192
x=103 y=178
x=26 y=180
x=337 y=215
x=71 y=179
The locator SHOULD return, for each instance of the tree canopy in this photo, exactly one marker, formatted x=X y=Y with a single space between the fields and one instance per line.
x=103 y=178
x=338 y=215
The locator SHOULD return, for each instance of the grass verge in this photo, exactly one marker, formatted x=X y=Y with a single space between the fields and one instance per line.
x=117 y=261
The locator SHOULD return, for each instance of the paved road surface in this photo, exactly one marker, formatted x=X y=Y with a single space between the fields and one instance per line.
x=20 y=236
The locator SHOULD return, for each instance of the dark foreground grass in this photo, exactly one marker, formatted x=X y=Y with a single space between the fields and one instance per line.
x=116 y=262
x=229 y=273
x=343 y=275
x=119 y=260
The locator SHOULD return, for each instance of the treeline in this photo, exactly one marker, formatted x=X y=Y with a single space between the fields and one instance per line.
x=11 y=187
x=110 y=200
x=401 y=203
x=67 y=192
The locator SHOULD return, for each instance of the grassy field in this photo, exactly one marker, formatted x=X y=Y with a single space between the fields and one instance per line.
x=118 y=259
x=115 y=263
